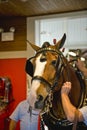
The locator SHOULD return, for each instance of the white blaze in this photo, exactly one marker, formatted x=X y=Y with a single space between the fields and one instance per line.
x=35 y=83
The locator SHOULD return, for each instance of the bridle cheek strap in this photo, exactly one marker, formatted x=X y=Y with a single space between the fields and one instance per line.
x=41 y=79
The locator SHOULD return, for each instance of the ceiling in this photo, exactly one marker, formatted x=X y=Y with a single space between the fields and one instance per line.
x=30 y=8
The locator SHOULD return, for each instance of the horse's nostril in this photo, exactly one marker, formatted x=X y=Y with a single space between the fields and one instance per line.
x=40 y=97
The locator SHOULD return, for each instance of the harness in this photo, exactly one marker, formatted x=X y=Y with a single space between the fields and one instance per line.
x=60 y=66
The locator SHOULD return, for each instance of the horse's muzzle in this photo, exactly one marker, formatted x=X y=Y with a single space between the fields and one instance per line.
x=39 y=103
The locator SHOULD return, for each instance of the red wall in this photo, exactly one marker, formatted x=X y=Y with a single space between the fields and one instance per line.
x=15 y=70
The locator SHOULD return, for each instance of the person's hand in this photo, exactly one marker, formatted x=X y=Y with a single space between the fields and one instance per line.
x=66 y=88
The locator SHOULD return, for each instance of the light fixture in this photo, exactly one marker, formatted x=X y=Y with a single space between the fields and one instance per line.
x=1 y=30
x=7 y=36
x=12 y=29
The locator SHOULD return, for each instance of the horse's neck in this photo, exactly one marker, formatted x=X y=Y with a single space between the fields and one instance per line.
x=78 y=85
x=68 y=74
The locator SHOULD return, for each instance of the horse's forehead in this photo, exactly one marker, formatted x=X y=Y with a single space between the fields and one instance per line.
x=51 y=56
x=38 y=62
x=39 y=68
x=48 y=56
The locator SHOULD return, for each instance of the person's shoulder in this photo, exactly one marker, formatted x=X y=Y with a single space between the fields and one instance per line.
x=23 y=102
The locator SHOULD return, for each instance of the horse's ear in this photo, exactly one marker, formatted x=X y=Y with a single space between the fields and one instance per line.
x=61 y=42
x=36 y=48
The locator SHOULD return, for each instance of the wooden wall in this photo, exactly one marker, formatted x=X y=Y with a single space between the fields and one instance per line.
x=19 y=42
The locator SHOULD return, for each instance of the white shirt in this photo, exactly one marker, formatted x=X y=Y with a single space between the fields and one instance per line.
x=83 y=110
x=21 y=114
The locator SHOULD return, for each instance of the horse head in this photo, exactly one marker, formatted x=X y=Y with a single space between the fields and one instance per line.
x=49 y=70
x=42 y=67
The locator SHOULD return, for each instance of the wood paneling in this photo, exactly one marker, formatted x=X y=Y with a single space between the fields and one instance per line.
x=19 y=42
x=40 y=7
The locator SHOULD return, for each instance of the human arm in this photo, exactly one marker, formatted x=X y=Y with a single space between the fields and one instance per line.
x=69 y=109
x=15 y=117
x=81 y=65
x=12 y=125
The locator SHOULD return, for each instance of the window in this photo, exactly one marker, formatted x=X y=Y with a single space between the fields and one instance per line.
x=74 y=26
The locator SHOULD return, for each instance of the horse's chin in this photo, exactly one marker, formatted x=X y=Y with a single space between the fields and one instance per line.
x=39 y=105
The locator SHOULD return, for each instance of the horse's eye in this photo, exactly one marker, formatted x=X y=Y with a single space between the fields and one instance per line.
x=54 y=63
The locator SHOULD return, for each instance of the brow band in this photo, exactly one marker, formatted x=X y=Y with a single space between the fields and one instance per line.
x=48 y=49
